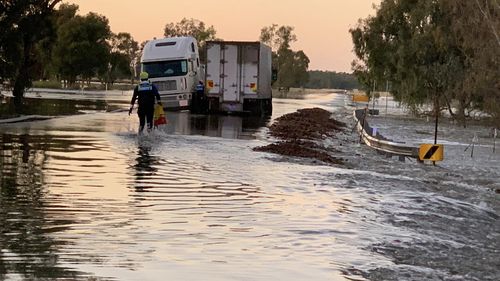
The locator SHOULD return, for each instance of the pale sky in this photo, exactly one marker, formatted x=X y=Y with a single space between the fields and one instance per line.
x=321 y=26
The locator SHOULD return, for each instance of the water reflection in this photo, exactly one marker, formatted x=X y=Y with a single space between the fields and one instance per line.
x=72 y=199
x=205 y=212
x=224 y=126
x=51 y=107
x=27 y=245
x=144 y=167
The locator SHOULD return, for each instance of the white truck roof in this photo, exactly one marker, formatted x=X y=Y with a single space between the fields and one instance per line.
x=169 y=49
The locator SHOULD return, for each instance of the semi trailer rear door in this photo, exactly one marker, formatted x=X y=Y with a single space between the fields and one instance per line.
x=250 y=69
x=231 y=71
x=214 y=69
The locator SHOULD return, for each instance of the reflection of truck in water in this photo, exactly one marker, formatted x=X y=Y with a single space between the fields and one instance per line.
x=173 y=65
x=215 y=125
x=238 y=77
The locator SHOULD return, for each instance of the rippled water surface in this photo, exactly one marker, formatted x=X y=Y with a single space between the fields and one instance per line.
x=83 y=197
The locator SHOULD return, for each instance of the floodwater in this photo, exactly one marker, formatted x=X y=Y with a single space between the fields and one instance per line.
x=82 y=197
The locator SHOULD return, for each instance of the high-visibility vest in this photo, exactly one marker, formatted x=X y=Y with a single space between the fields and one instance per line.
x=145 y=86
x=200 y=88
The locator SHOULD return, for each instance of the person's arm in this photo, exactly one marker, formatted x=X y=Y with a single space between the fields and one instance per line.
x=157 y=94
x=132 y=102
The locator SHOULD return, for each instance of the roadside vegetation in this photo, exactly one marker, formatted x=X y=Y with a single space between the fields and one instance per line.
x=92 y=86
x=59 y=48
x=332 y=80
x=62 y=49
x=443 y=52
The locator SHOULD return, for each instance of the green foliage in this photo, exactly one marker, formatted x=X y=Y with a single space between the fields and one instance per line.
x=194 y=28
x=332 y=80
x=474 y=27
x=292 y=66
x=40 y=42
x=123 y=58
x=23 y=24
x=191 y=27
x=431 y=51
x=82 y=48
x=123 y=43
x=49 y=84
x=278 y=37
x=118 y=67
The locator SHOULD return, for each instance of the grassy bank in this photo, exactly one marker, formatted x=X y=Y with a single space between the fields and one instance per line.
x=51 y=84
x=94 y=86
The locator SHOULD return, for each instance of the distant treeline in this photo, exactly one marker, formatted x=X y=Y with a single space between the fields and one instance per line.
x=49 y=41
x=332 y=80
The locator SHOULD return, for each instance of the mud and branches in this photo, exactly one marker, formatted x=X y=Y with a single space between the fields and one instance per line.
x=300 y=135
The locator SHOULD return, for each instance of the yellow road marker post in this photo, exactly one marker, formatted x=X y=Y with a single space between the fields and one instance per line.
x=431 y=152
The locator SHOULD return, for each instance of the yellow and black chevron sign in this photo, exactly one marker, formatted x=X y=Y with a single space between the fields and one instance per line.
x=432 y=152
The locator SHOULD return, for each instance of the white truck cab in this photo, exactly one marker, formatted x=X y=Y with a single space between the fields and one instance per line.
x=173 y=65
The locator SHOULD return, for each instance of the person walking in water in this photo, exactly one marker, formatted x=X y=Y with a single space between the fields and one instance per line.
x=198 y=98
x=145 y=93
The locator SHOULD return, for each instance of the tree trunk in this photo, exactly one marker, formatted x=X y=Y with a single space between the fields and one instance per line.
x=437 y=110
x=19 y=86
x=461 y=113
x=22 y=80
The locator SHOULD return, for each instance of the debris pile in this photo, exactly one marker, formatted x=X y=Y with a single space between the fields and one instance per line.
x=299 y=133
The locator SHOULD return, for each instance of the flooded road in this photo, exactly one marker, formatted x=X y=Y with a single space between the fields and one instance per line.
x=82 y=197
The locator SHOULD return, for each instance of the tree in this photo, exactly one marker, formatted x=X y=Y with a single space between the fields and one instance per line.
x=332 y=80
x=122 y=59
x=404 y=43
x=65 y=13
x=44 y=48
x=292 y=66
x=478 y=86
x=194 y=28
x=24 y=23
x=191 y=27
x=82 y=48
x=124 y=44
x=278 y=37
x=442 y=52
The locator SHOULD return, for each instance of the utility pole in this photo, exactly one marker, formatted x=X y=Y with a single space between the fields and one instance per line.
x=373 y=97
x=386 y=95
x=494 y=138
x=436 y=105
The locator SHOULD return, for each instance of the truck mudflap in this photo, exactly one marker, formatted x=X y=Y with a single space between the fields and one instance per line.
x=258 y=106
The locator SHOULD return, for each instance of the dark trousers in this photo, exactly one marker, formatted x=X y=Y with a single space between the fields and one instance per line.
x=145 y=114
x=198 y=102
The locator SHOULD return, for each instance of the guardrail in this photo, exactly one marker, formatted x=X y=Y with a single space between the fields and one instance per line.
x=373 y=139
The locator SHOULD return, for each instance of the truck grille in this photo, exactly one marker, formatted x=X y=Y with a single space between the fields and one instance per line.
x=169 y=85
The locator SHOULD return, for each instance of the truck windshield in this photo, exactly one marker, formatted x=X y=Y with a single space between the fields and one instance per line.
x=166 y=68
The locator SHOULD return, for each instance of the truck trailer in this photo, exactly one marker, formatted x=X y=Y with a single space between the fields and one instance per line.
x=238 y=77
x=173 y=65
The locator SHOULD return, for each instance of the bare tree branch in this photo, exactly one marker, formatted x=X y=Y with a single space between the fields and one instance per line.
x=498 y=5
x=487 y=18
x=53 y=4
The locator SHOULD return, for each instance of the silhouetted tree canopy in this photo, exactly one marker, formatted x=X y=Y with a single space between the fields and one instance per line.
x=23 y=24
